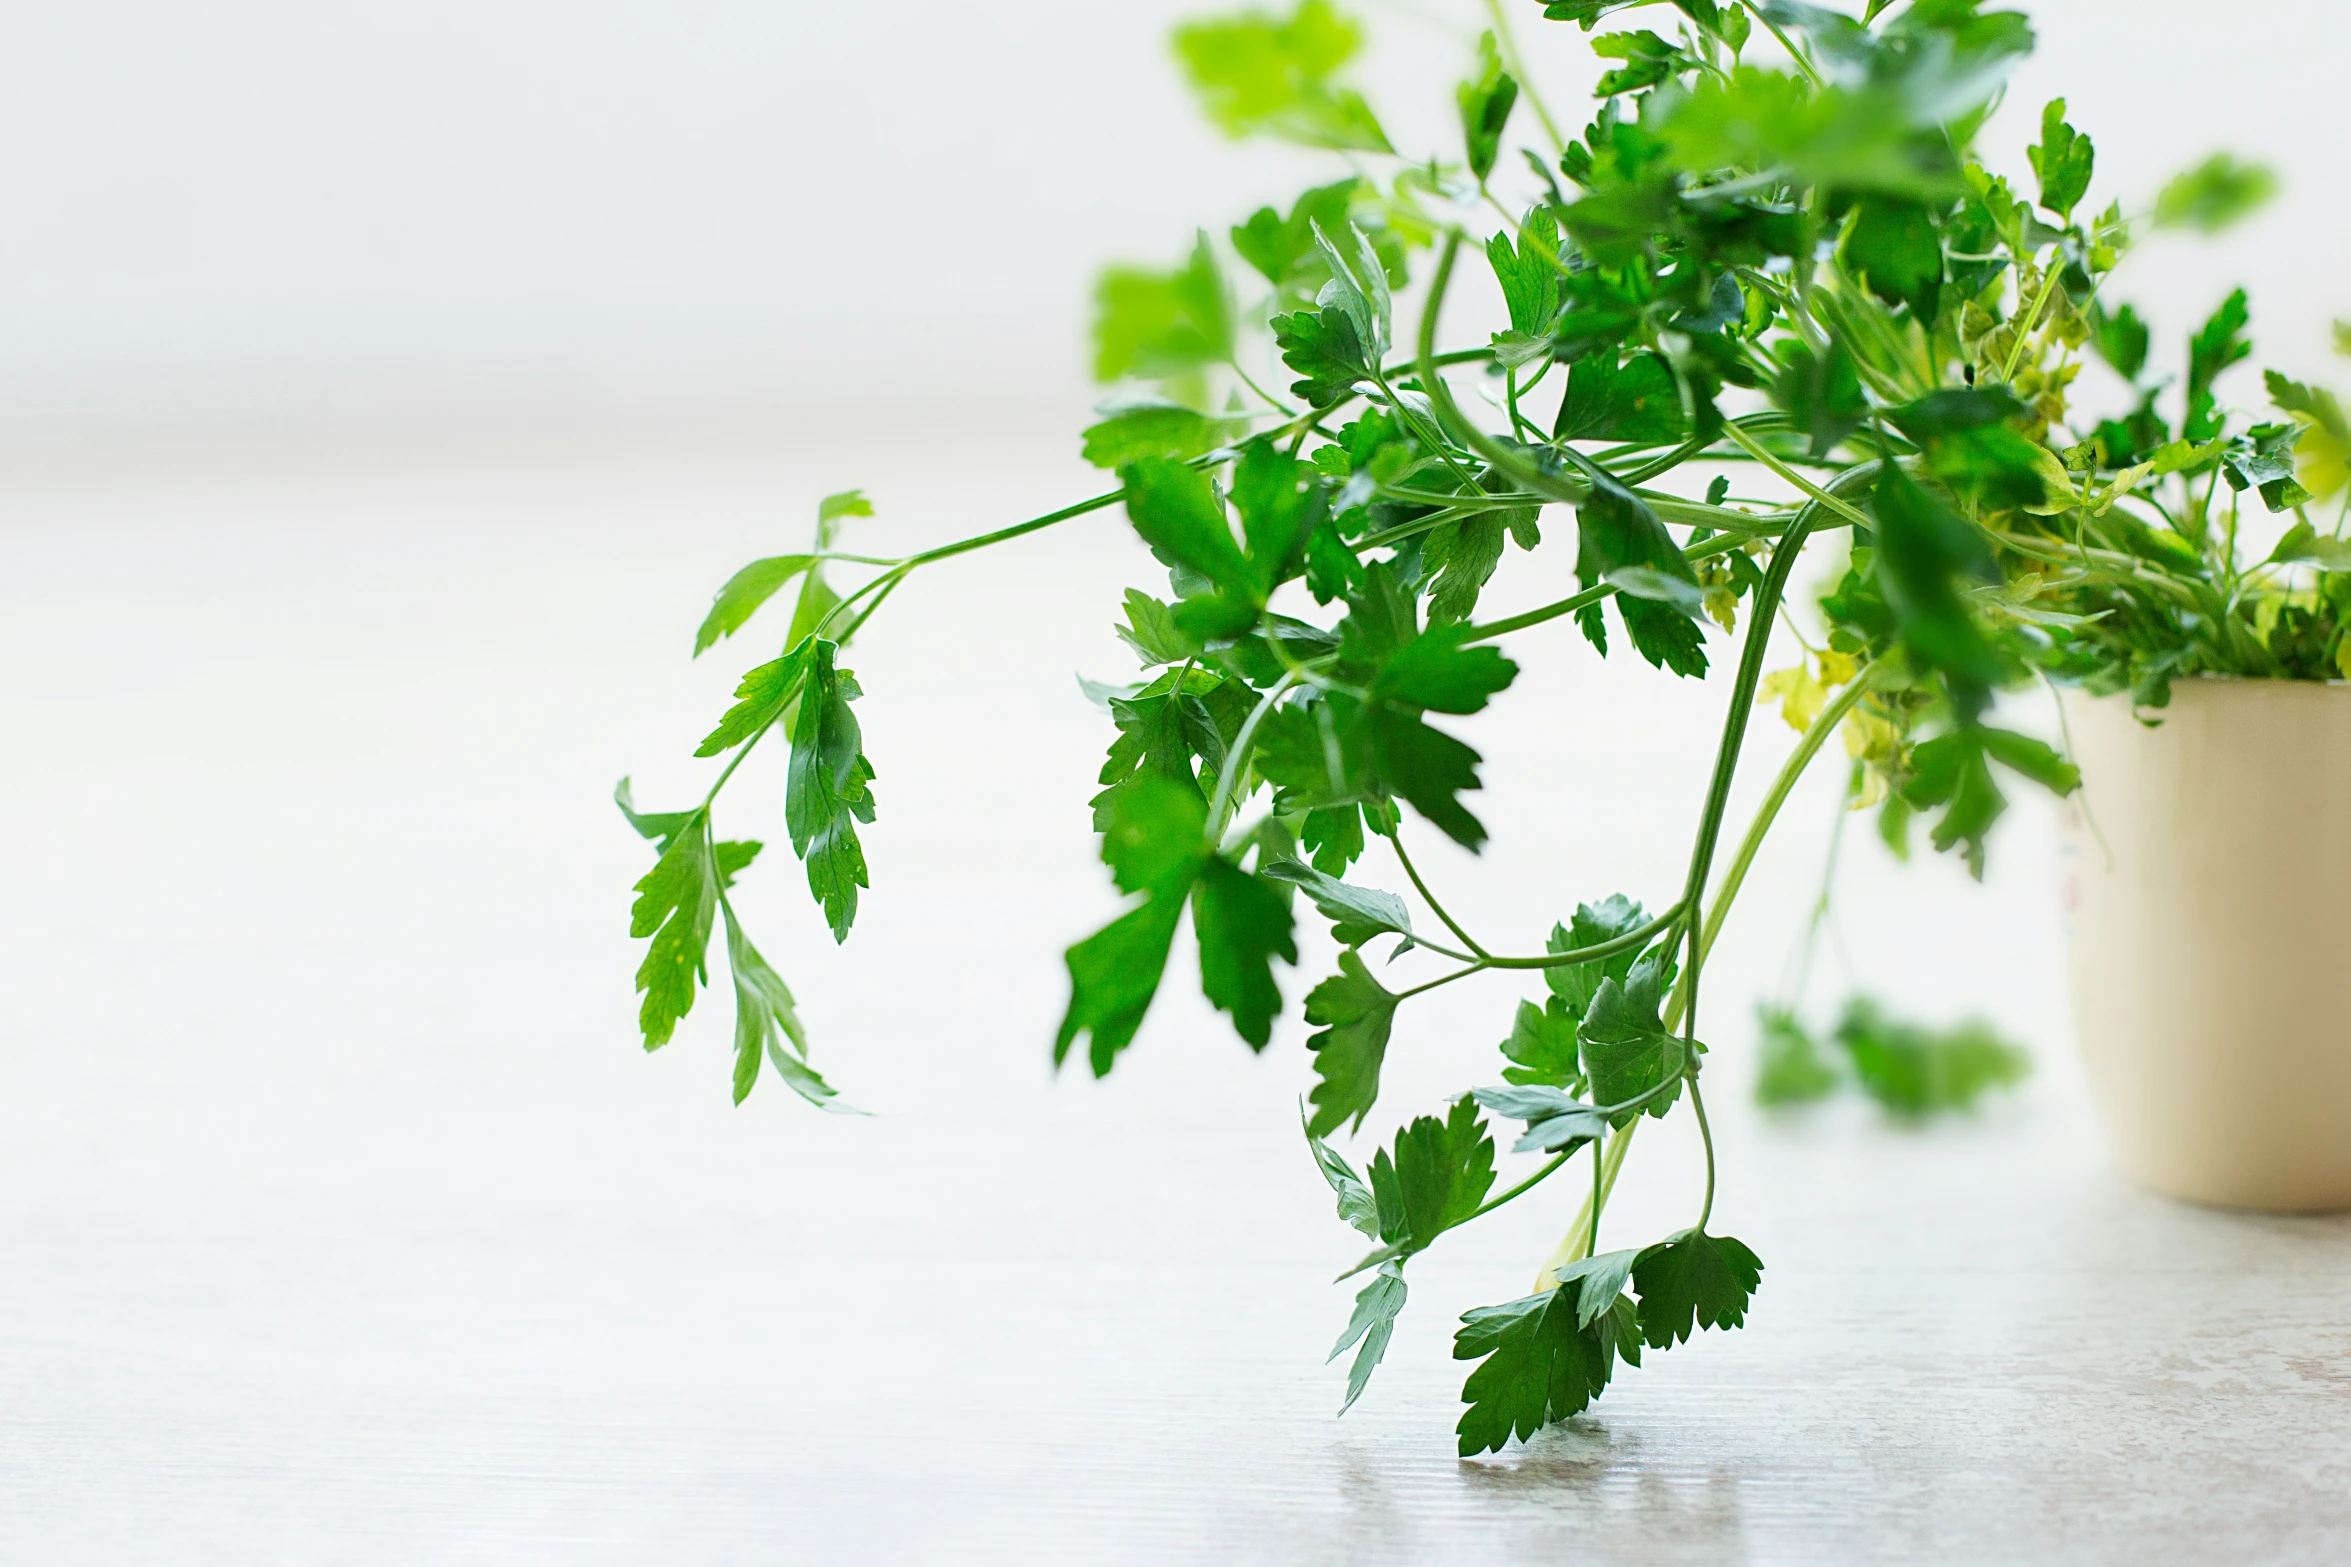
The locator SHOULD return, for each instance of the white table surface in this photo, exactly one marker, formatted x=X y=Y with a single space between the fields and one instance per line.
x=343 y=1220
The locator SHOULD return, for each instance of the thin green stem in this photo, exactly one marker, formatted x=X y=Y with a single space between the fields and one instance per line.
x=1592 y=1236
x=1441 y=980
x=1396 y=842
x=1706 y=1135
x=1275 y=403
x=1721 y=545
x=1802 y=59
x=2016 y=349
x=1236 y=759
x=1630 y=941
x=1833 y=503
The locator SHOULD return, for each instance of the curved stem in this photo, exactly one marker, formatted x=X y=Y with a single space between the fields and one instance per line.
x=1600 y=949
x=1396 y=842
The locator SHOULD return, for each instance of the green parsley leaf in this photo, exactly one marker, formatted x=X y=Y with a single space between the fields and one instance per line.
x=2120 y=338
x=1529 y=271
x=2219 y=343
x=1556 y=1121
x=1820 y=391
x=1627 y=1050
x=1357 y=1206
x=1542 y=1043
x=1358 y=288
x=1891 y=244
x=1151 y=631
x=760 y=700
x=1437 y=1175
x=1113 y=974
x=1356 y=1013
x=1430 y=769
x=1325 y=349
x=1157 y=430
x=828 y=789
x=1575 y=984
x=2062 y=161
x=1636 y=401
x=1615 y=529
x=767 y=1024
x=1485 y=102
x=1254 y=73
x=1915 y=1071
x=1376 y=1309
x=1161 y=324
x=2214 y=194
x=1437 y=671
x=1461 y=556
x=660 y=826
x=1243 y=925
x=1922 y=547
x=1177 y=511
x=1539 y=1364
x=746 y=590
x=1793 y=1071
x=1357 y=914
x=1693 y=1280
x=676 y=903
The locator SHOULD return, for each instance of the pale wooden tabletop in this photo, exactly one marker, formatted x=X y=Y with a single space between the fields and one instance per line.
x=343 y=1220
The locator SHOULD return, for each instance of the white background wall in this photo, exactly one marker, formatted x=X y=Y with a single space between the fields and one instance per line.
x=616 y=209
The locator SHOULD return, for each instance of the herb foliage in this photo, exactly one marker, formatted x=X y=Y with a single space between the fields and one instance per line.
x=1771 y=252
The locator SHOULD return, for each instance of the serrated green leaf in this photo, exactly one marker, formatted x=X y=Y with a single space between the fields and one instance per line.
x=1243 y=925
x=2062 y=160
x=1435 y=1178
x=1162 y=324
x=749 y=588
x=1355 y=1013
x=1357 y=914
x=1440 y=671
x=1542 y=1044
x=759 y=700
x=1157 y=430
x=1693 y=1280
x=1377 y=1306
x=1113 y=974
x=829 y=789
x=1529 y=271
x=660 y=826
x=1178 y=513
x=1428 y=768
x=1539 y=1365
x=676 y=903
x=767 y=1024
x=1326 y=350
x=1485 y=101
x=1627 y=1049
x=1357 y=1206
x=1575 y=984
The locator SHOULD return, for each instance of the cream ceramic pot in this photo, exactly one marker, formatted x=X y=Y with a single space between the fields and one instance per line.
x=2207 y=880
